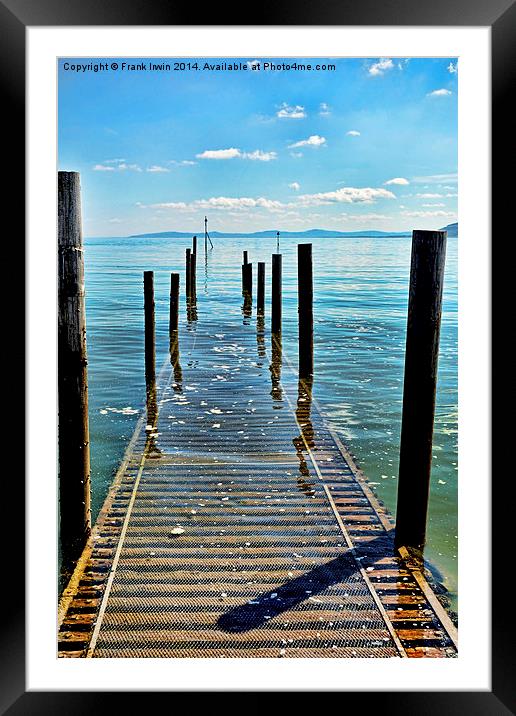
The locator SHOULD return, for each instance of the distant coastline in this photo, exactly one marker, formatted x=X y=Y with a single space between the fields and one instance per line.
x=309 y=234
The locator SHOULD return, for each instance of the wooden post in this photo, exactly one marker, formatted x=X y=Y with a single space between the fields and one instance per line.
x=150 y=344
x=305 y=310
x=193 y=275
x=188 y=272
x=74 y=439
x=260 y=299
x=421 y=356
x=276 y=294
x=247 y=278
x=174 y=303
x=194 y=247
x=244 y=275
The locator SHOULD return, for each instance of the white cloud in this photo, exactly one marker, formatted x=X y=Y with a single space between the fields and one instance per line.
x=380 y=67
x=429 y=195
x=452 y=68
x=433 y=205
x=230 y=153
x=353 y=133
x=233 y=153
x=287 y=112
x=156 y=169
x=295 y=186
x=346 y=195
x=436 y=178
x=260 y=156
x=439 y=93
x=364 y=217
x=220 y=202
x=296 y=155
x=424 y=214
x=121 y=166
x=324 y=109
x=313 y=141
x=183 y=163
x=129 y=167
x=400 y=181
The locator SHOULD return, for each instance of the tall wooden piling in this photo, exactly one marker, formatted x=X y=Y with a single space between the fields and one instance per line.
x=260 y=293
x=74 y=440
x=174 y=303
x=421 y=358
x=305 y=310
x=194 y=247
x=150 y=341
x=276 y=294
x=188 y=273
x=247 y=279
x=245 y=259
x=193 y=275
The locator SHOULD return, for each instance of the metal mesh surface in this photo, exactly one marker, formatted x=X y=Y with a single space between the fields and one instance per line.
x=231 y=546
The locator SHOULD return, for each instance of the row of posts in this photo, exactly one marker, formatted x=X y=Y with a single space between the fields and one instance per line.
x=305 y=300
x=421 y=358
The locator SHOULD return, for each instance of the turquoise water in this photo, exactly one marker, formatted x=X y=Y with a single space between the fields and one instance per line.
x=360 y=309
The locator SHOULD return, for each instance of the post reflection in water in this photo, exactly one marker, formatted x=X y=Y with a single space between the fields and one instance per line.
x=260 y=335
x=247 y=309
x=305 y=440
x=275 y=366
x=206 y=273
x=191 y=310
x=175 y=363
x=151 y=448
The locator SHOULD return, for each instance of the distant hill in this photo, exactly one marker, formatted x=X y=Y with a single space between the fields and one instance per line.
x=452 y=229
x=310 y=234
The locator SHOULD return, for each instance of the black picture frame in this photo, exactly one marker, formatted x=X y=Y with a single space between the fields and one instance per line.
x=500 y=16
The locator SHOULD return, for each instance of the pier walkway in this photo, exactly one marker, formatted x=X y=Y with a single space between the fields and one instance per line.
x=239 y=526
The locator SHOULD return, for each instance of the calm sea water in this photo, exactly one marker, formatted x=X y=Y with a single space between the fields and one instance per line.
x=360 y=309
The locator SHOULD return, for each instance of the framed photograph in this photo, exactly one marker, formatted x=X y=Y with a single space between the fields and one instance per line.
x=258 y=291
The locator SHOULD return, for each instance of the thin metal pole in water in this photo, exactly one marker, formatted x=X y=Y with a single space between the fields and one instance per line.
x=174 y=303
x=150 y=343
x=305 y=310
x=421 y=359
x=276 y=294
x=74 y=440
x=260 y=297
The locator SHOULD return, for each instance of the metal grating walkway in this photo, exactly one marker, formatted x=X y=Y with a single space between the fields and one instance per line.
x=240 y=527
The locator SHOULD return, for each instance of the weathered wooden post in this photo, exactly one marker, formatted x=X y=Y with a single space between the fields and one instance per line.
x=194 y=247
x=74 y=439
x=260 y=297
x=150 y=344
x=188 y=273
x=276 y=294
x=421 y=357
x=305 y=310
x=174 y=303
x=193 y=275
x=245 y=257
x=247 y=272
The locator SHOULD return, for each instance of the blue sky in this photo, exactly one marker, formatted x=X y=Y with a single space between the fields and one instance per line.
x=370 y=145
